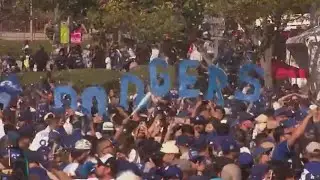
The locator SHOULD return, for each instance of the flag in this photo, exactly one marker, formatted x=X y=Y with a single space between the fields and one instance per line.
x=9 y=88
x=142 y=103
x=64 y=33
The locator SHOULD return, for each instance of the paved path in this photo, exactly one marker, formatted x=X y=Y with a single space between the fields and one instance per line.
x=23 y=36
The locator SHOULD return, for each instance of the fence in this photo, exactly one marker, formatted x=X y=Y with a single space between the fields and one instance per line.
x=11 y=30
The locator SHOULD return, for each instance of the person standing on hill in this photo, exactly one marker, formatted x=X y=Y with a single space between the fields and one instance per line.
x=41 y=58
x=49 y=30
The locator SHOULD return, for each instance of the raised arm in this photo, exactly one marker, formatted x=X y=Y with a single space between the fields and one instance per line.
x=300 y=129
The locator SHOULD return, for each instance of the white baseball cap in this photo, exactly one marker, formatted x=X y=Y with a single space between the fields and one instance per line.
x=312 y=147
x=83 y=144
x=170 y=147
x=107 y=126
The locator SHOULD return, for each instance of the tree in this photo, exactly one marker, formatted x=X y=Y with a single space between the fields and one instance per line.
x=271 y=12
x=148 y=21
x=75 y=8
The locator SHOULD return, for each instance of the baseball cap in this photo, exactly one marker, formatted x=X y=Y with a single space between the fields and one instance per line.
x=289 y=123
x=313 y=147
x=169 y=147
x=283 y=112
x=199 y=120
x=184 y=140
x=49 y=115
x=229 y=145
x=262 y=118
x=84 y=170
x=193 y=155
x=39 y=156
x=244 y=116
x=172 y=172
x=127 y=175
x=83 y=144
x=263 y=148
x=107 y=126
x=258 y=171
x=110 y=161
x=105 y=158
x=245 y=159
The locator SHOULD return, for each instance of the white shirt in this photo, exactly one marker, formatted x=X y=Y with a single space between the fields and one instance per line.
x=68 y=127
x=108 y=63
x=185 y=156
x=1 y=129
x=154 y=54
x=40 y=136
x=245 y=150
x=196 y=55
x=134 y=156
x=70 y=169
x=131 y=54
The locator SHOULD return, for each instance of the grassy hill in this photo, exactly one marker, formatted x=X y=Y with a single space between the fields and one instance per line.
x=82 y=78
x=15 y=47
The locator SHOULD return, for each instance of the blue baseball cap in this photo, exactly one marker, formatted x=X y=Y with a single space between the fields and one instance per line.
x=289 y=123
x=258 y=171
x=84 y=170
x=184 y=140
x=283 y=112
x=37 y=157
x=172 y=172
x=259 y=151
x=229 y=145
x=193 y=154
x=245 y=159
x=244 y=116
x=199 y=120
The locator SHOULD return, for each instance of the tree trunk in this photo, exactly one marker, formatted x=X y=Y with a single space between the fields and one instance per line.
x=56 y=14
x=266 y=63
x=313 y=18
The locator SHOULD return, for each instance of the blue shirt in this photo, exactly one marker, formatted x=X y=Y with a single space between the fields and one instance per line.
x=281 y=152
x=311 y=171
x=41 y=173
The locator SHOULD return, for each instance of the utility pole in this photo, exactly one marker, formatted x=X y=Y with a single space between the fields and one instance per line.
x=31 y=21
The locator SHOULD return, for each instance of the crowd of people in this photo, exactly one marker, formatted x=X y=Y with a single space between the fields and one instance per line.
x=73 y=57
x=276 y=137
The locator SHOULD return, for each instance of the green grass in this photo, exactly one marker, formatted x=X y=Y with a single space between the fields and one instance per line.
x=78 y=78
x=83 y=78
x=15 y=47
